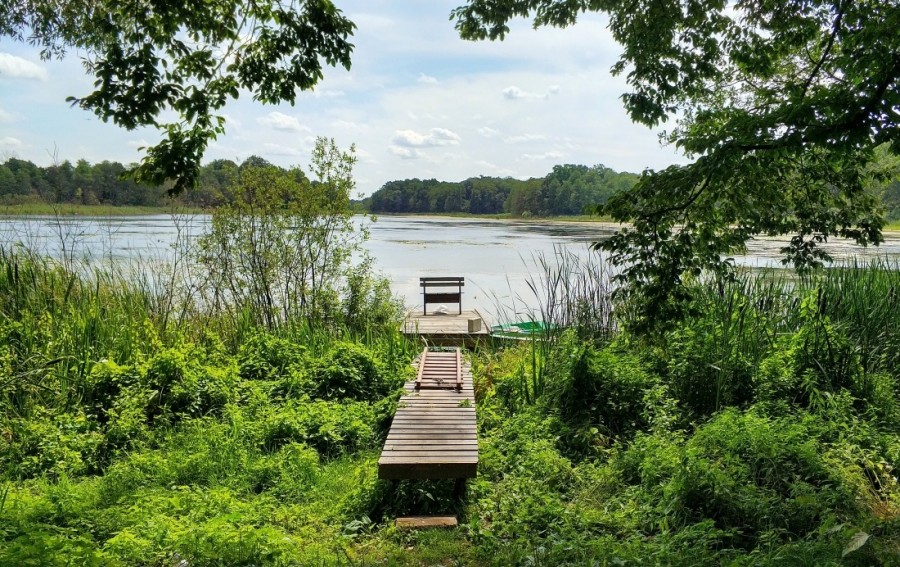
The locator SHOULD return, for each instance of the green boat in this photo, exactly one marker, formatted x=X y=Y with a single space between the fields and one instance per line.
x=521 y=330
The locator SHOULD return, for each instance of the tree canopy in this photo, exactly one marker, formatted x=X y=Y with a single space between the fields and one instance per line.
x=567 y=190
x=154 y=59
x=779 y=103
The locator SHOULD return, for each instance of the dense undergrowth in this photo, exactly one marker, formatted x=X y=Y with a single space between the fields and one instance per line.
x=761 y=430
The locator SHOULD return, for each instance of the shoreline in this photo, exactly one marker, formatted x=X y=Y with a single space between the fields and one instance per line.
x=73 y=210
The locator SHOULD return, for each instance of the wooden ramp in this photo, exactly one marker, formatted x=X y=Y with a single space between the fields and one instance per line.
x=433 y=434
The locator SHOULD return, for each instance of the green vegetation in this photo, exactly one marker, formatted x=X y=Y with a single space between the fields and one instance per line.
x=785 y=109
x=64 y=187
x=175 y=67
x=761 y=430
x=65 y=209
x=567 y=190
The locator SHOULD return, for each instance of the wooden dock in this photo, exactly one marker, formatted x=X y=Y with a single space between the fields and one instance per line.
x=433 y=434
x=452 y=329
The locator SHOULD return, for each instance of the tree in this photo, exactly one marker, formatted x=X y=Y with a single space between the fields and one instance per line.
x=281 y=248
x=780 y=103
x=190 y=58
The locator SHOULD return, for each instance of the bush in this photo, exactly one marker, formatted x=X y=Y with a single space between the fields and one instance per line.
x=329 y=427
x=601 y=396
x=103 y=385
x=707 y=366
x=181 y=384
x=812 y=363
x=751 y=475
x=264 y=356
x=65 y=444
x=349 y=371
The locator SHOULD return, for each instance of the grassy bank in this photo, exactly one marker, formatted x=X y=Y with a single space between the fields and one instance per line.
x=762 y=430
x=47 y=209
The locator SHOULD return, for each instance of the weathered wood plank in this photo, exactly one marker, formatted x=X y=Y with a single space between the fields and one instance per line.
x=419 y=438
x=404 y=445
x=426 y=522
x=432 y=456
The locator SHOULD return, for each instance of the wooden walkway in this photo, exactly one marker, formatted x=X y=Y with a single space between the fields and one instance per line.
x=433 y=434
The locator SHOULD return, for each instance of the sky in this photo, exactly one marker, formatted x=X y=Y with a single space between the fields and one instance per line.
x=417 y=102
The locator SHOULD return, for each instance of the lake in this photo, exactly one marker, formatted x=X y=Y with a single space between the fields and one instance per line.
x=495 y=256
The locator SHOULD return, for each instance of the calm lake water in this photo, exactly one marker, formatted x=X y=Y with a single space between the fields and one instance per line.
x=497 y=257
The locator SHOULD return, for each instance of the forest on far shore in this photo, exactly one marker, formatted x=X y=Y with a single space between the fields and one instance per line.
x=565 y=190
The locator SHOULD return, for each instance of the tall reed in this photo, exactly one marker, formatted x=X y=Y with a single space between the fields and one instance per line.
x=567 y=290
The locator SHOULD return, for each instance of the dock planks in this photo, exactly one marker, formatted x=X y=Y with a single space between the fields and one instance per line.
x=447 y=330
x=433 y=434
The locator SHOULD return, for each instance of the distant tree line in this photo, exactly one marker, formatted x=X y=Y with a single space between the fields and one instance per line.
x=106 y=183
x=567 y=190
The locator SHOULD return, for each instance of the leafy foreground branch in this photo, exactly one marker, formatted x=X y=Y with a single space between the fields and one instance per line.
x=780 y=104
x=153 y=58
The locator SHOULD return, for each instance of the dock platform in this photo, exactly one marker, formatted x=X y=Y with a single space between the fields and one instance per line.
x=451 y=329
x=433 y=434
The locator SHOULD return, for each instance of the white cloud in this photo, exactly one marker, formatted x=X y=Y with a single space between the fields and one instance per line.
x=404 y=153
x=279 y=150
x=137 y=143
x=400 y=46
x=365 y=156
x=524 y=138
x=279 y=121
x=488 y=132
x=553 y=154
x=349 y=125
x=427 y=79
x=326 y=93
x=435 y=137
x=7 y=116
x=515 y=93
x=496 y=169
x=12 y=66
x=11 y=143
x=231 y=121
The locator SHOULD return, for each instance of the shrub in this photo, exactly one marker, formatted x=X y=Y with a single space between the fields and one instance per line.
x=602 y=394
x=43 y=443
x=181 y=385
x=707 y=367
x=288 y=473
x=103 y=385
x=265 y=356
x=349 y=371
x=812 y=363
x=329 y=427
x=752 y=474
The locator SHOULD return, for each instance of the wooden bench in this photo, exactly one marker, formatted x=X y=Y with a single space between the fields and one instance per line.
x=443 y=296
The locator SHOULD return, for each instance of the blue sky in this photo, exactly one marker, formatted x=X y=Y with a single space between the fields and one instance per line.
x=417 y=102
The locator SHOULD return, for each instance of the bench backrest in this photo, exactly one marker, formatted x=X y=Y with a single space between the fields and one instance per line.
x=445 y=295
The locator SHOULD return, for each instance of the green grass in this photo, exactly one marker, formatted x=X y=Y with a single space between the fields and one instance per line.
x=761 y=430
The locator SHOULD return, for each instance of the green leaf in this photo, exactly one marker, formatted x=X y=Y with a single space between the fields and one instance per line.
x=855 y=543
